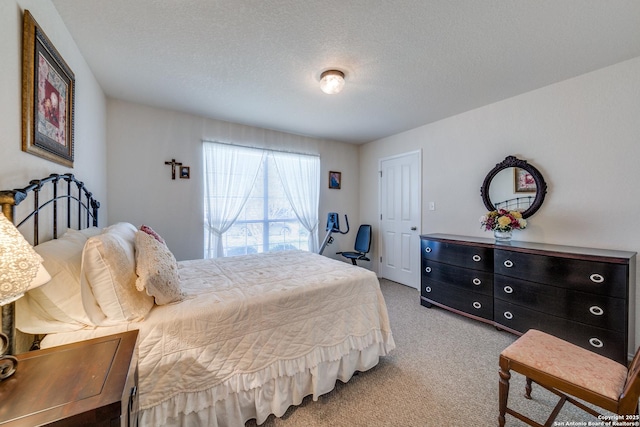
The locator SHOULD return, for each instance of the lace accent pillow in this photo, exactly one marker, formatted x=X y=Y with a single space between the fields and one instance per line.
x=151 y=232
x=157 y=270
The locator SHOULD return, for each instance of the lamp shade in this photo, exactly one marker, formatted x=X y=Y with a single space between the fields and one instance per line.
x=20 y=266
x=332 y=81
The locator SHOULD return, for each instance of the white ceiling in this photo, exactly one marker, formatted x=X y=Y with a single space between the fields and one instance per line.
x=407 y=62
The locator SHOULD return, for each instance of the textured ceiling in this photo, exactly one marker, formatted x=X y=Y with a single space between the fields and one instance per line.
x=407 y=62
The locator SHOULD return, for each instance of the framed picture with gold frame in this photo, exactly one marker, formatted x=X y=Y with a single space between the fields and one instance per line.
x=48 y=95
x=523 y=181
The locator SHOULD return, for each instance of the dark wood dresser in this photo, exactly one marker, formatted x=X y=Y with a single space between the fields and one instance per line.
x=92 y=382
x=578 y=294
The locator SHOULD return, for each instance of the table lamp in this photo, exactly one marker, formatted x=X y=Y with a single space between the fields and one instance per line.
x=21 y=269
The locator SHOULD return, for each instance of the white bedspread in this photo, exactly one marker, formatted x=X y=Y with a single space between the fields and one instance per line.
x=249 y=321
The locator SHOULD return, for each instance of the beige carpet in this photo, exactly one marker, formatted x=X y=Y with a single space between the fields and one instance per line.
x=444 y=372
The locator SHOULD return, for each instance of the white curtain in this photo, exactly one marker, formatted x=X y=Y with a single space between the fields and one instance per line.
x=300 y=176
x=230 y=173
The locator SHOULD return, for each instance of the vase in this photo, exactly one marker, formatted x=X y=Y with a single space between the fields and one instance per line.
x=502 y=236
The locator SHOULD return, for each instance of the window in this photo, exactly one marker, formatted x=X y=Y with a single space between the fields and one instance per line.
x=267 y=222
x=258 y=200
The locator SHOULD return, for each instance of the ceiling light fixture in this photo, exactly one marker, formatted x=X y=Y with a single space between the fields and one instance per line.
x=332 y=81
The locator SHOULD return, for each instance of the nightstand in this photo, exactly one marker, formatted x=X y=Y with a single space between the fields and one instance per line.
x=91 y=382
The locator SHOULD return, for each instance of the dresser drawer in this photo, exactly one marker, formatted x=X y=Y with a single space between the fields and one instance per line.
x=592 y=309
x=466 y=278
x=587 y=276
x=459 y=299
x=477 y=258
x=608 y=343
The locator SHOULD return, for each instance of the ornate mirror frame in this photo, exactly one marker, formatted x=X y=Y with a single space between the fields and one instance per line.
x=508 y=162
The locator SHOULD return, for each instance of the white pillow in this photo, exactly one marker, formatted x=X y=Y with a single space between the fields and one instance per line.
x=109 y=275
x=157 y=270
x=57 y=305
x=87 y=232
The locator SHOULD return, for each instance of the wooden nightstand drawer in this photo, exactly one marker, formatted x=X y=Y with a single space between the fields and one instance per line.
x=79 y=384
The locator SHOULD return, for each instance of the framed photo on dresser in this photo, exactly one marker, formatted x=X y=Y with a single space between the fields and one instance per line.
x=48 y=93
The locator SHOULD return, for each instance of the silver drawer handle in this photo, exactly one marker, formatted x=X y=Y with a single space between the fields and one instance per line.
x=508 y=263
x=428 y=269
x=427 y=249
x=597 y=311
x=596 y=278
x=476 y=304
x=477 y=281
x=508 y=289
x=596 y=342
x=508 y=315
x=427 y=289
x=476 y=258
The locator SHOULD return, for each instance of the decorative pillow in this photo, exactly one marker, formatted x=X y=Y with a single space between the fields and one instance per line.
x=109 y=276
x=157 y=270
x=57 y=305
x=151 y=232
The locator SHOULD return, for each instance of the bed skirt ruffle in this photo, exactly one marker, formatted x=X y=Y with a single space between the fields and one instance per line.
x=258 y=395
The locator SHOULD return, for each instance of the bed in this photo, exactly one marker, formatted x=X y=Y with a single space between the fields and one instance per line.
x=221 y=341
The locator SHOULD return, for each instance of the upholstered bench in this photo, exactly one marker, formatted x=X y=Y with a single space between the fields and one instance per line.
x=566 y=369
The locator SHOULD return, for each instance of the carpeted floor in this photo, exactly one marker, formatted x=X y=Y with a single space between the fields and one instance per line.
x=444 y=372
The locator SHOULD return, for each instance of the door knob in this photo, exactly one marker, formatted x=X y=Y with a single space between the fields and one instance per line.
x=414 y=228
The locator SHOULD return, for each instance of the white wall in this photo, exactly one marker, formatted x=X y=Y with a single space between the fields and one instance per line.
x=583 y=135
x=17 y=168
x=142 y=138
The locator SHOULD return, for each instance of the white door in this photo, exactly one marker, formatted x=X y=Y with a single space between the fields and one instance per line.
x=400 y=215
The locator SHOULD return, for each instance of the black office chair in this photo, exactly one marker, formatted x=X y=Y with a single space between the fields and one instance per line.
x=362 y=246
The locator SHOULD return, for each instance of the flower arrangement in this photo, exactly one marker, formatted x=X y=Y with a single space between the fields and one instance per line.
x=503 y=220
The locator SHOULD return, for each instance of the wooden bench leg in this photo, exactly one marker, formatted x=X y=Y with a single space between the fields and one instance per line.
x=527 y=388
x=503 y=390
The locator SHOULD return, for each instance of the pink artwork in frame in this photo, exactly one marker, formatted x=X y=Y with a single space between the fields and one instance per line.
x=524 y=181
x=48 y=92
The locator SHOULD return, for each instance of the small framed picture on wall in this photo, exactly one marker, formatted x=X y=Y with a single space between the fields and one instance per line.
x=335 y=180
x=185 y=172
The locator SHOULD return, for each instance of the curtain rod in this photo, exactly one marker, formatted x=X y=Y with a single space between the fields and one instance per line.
x=261 y=148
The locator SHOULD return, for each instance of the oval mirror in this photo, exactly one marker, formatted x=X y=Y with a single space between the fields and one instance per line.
x=514 y=184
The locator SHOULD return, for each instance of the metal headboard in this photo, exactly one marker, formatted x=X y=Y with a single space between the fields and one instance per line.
x=517 y=203
x=55 y=193
x=11 y=198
